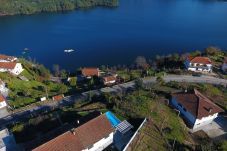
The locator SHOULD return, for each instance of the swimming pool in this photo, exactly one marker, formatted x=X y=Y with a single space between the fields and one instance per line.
x=112 y=118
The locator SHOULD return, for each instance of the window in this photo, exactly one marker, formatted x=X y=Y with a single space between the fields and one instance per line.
x=179 y=105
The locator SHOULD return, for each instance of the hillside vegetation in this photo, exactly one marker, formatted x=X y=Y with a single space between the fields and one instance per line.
x=12 y=7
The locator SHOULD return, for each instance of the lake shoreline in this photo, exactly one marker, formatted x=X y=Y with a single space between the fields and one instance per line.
x=15 y=11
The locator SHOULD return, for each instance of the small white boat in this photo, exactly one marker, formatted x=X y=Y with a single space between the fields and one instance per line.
x=69 y=50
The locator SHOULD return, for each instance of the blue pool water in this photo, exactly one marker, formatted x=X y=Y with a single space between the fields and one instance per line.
x=113 y=119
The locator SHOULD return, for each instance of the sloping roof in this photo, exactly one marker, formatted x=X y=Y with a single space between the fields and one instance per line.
x=8 y=65
x=2 y=99
x=109 y=78
x=90 y=72
x=94 y=130
x=65 y=142
x=81 y=137
x=197 y=104
x=58 y=97
x=7 y=58
x=202 y=60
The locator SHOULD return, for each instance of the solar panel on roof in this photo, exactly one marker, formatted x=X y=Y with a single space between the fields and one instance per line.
x=124 y=126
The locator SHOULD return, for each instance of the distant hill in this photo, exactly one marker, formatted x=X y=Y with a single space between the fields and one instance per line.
x=13 y=7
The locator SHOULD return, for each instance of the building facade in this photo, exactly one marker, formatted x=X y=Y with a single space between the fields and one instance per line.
x=11 y=67
x=198 y=64
x=197 y=109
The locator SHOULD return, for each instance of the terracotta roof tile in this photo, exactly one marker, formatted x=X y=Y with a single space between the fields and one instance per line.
x=197 y=104
x=81 y=137
x=90 y=72
x=94 y=130
x=65 y=142
x=109 y=78
x=58 y=97
x=7 y=58
x=8 y=65
x=202 y=60
x=2 y=99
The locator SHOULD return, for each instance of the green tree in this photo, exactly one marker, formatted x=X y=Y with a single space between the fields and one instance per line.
x=73 y=81
x=62 y=88
x=212 y=50
x=160 y=80
x=63 y=74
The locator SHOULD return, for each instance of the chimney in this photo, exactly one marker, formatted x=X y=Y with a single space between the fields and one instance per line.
x=210 y=110
x=78 y=121
x=74 y=133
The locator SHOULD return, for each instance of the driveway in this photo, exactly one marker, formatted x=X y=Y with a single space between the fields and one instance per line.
x=4 y=112
x=217 y=129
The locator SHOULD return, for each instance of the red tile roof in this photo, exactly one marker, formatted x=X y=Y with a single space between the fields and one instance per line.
x=202 y=60
x=109 y=78
x=81 y=137
x=197 y=104
x=8 y=65
x=58 y=97
x=87 y=72
x=65 y=142
x=94 y=130
x=8 y=58
x=2 y=99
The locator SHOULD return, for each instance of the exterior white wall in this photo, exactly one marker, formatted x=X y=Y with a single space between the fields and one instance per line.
x=102 y=144
x=197 y=66
x=191 y=119
x=204 y=120
x=3 y=104
x=18 y=69
x=109 y=82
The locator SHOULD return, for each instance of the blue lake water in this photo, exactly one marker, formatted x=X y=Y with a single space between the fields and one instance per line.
x=116 y=35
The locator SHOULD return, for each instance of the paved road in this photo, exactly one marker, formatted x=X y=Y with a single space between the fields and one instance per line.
x=190 y=79
x=117 y=88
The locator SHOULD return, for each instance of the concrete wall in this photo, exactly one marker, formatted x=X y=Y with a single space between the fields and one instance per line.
x=204 y=120
x=3 y=104
x=18 y=69
x=102 y=144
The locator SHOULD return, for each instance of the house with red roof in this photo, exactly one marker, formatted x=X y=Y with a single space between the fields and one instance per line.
x=5 y=58
x=95 y=135
x=2 y=101
x=224 y=66
x=197 y=109
x=58 y=97
x=199 y=64
x=109 y=79
x=11 y=67
x=90 y=72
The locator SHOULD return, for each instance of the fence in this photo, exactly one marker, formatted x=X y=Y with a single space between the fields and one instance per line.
x=134 y=135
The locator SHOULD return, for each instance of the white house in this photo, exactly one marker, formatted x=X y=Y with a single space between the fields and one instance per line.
x=2 y=102
x=224 y=66
x=12 y=67
x=95 y=135
x=5 y=58
x=107 y=80
x=197 y=109
x=199 y=64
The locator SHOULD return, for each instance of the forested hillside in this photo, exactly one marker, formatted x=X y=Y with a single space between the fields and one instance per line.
x=12 y=7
